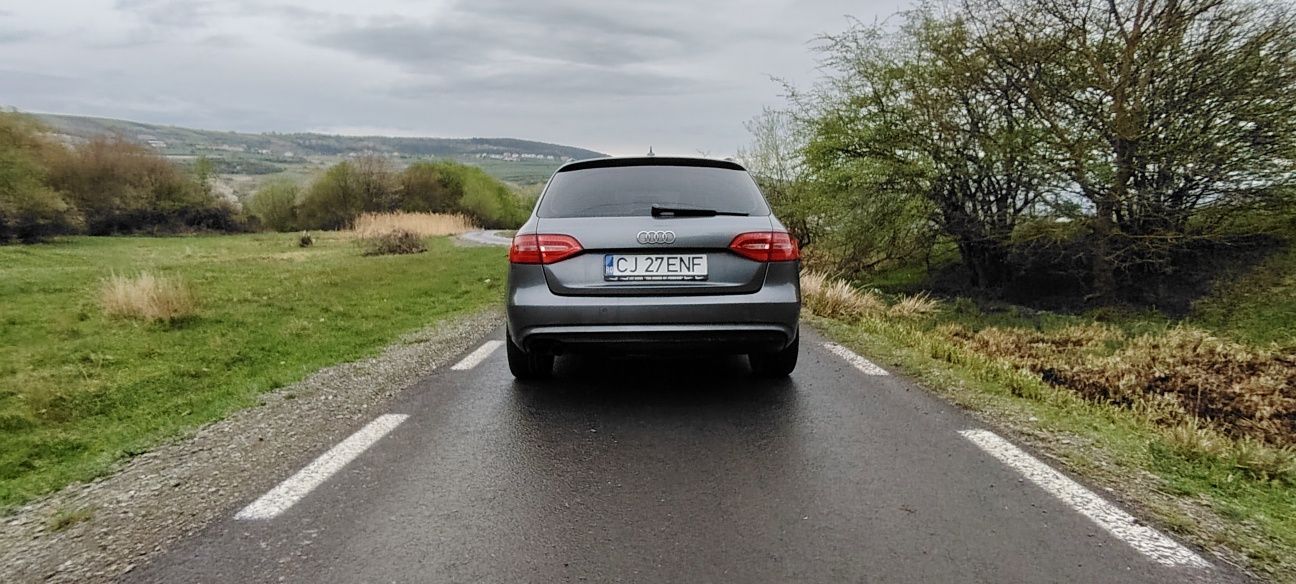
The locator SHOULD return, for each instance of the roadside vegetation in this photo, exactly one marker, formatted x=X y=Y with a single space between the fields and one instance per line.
x=99 y=187
x=110 y=345
x=111 y=186
x=368 y=185
x=424 y=224
x=1185 y=422
x=148 y=297
x=1079 y=219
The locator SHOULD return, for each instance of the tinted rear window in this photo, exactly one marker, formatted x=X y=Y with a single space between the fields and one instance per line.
x=629 y=191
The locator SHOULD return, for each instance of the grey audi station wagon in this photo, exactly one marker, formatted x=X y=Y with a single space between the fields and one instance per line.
x=653 y=255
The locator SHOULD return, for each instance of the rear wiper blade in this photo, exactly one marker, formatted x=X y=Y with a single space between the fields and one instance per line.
x=687 y=212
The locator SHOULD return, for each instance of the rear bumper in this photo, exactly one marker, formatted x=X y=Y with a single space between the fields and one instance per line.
x=765 y=320
x=674 y=339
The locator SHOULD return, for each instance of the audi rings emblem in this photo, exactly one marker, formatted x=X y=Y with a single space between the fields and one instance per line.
x=655 y=237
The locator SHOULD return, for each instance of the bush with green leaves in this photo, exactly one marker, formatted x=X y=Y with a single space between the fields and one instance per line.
x=369 y=185
x=394 y=242
x=275 y=204
x=29 y=210
x=122 y=187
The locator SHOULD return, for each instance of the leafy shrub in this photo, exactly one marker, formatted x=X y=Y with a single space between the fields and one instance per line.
x=122 y=187
x=425 y=188
x=275 y=204
x=29 y=210
x=345 y=191
x=397 y=241
x=147 y=297
x=331 y=202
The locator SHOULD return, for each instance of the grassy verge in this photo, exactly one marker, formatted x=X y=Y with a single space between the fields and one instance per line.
x=1228 y=492
x=81 y=390
x=1259 y=308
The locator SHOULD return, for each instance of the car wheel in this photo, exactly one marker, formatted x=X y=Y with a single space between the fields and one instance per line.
x=526 y=365
x=778 y=363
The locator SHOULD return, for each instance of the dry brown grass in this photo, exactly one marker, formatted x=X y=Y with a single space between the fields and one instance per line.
x=1250 y=393
x=147 y=296
x=835 y=298
x=1240 y=391
x=421 y=224
x=920 y=304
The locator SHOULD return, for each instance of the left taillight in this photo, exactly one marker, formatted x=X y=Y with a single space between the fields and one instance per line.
x=766 y=246
x=544 y=248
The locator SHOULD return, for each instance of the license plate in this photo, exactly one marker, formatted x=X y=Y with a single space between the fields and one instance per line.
x=632 y=268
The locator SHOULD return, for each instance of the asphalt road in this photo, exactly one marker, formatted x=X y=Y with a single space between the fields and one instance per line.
x=486 y=237
x=632 y=470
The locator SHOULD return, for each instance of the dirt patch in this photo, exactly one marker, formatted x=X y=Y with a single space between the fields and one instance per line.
x=95 y=532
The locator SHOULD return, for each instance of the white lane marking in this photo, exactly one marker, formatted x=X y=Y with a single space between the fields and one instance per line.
x=280 y=498
x=477 y=356
x=864 y=365
x=1146 y=540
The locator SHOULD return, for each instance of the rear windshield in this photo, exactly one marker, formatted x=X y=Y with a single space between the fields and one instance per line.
x=629 y=191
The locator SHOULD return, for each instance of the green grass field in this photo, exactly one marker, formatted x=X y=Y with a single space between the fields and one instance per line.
x=80 y=391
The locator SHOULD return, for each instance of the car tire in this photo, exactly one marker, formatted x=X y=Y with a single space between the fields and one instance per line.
x=776 y=364
x=526 y=365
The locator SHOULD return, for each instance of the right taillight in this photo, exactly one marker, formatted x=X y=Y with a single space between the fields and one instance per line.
x=544 y=248
x=766 y=246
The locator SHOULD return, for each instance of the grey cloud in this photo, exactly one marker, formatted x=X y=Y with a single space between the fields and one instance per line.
x=224 y=41
x=582 y=83
x=565 y=49
x=595 y=73
x=16 y=36
x=171 y=13
x=480 y=31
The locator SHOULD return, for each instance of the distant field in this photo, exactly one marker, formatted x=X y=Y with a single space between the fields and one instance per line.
x=523 y=172
x=80 y=390
x=264 y=155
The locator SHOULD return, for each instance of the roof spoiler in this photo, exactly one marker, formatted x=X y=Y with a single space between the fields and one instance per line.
x=616 y=162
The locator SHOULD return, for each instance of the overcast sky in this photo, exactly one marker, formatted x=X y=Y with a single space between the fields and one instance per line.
x=611 y=75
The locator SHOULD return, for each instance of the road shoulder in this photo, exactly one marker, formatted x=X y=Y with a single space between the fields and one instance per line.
x=1105 y=447
x=98 y=531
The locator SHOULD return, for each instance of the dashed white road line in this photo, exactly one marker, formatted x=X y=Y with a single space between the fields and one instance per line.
x=1146 y=540
x=864 y=365
x=280 y=498
x=477 y=356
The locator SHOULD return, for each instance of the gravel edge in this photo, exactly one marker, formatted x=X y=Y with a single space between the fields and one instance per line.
x=120 y=521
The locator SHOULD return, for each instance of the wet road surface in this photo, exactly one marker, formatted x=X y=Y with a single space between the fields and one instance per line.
x=682 y=470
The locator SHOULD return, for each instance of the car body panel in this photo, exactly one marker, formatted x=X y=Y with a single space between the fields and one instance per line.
x=728 y=273
x=743 y=306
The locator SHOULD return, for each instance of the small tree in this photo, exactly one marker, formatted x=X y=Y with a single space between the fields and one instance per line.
x=775 y=158
x=29 y=209
x=921 y=121
x=333 y=200
x=275 y=204
x=424 y=189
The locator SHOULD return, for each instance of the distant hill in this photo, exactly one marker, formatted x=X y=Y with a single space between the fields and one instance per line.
x=237 y=152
